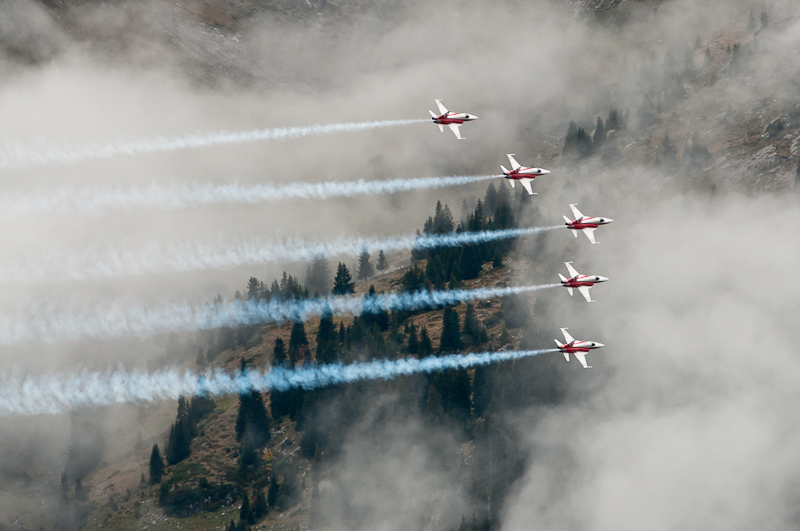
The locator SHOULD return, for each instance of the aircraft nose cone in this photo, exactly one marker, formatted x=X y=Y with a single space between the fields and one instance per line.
x=609 y=220
x=599 y=345
x=545 y=172
x=603 y=279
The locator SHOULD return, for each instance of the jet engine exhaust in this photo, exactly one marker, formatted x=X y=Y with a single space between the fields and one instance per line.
x=53 y=393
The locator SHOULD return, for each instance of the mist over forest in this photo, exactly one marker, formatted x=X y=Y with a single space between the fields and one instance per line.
x=204 y=199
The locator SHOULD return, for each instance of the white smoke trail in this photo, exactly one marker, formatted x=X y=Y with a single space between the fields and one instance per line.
x=17 y=154
x=54 y=394
x=91 y=266
x=48 y=323
x=94 y=201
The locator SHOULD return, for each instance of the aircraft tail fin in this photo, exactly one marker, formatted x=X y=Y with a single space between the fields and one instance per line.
x=505 y=170
x=441 y=128
x=559 y=343
x=433 y=114
x=567 y=219
x=562 y=277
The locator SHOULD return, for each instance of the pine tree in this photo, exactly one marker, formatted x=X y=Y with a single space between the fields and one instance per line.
x=451 y=331
x=417 y=252
x=298 y=342
x=245 y=514
x=156 y=466
x=253 y=289
x=764 y=19
x=343 y=283
x=614 y=121
x=471 y=262
x=326 y=338
x=473 y=327
x=318 y=276
x=279 y=356
x=667 y=154
x=365 y=269
x=260 y=507
x=272 y=494
x=599 y=137
x=425 y=343
x=382 y=264
x=698 y=43
x=570 y=140
x=583 y=143
x=413 y=341
x=751 y=22
x=490 y=198
x=252 y=417
x=178 y=443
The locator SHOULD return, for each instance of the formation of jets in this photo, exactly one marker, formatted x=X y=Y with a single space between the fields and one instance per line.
x=525 y=175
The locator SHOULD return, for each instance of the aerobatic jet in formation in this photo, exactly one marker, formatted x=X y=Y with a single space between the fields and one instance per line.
x=582 y=283
x=587 y=224
x=523 y=174
x=453 y=120
x=579 y=349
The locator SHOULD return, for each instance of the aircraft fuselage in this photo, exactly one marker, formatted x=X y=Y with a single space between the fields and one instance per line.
x=587 y=223
x=453 y=118
x=583 y=280
x=526 y=173
x=580 y=346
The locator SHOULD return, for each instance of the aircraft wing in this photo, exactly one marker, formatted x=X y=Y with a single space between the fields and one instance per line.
x=568 y=338
x=589 y=234
x=572 y=272
x=526 y=183
x=442 y=108
x=455 y=130
x=582 y=358
x=513 y=161
x=576 y=212
x=585 y=292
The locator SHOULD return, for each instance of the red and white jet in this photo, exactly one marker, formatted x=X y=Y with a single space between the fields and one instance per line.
x=523 y=174
x=453 y=120
x=583 y=283
x=579 y=349
x=586 y=224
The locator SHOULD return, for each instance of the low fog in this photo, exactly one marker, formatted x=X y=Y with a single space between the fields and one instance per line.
x=685 y=420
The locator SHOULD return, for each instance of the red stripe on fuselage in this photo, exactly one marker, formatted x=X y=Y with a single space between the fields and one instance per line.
x=577 y=283
x=447 y=121
x=516 y=175
x=579 y=226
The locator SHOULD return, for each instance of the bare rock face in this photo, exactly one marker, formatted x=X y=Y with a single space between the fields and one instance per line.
x=773 y=128
x=764 y=160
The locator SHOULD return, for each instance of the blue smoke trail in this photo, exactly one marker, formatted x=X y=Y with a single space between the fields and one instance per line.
x=54 y=394
x=17 y=154
x=48 y=323
x=94 y=201
x=183 y=258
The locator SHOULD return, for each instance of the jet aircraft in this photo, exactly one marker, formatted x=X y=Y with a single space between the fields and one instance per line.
x=582 y=282
x=523 y=174
x=587 y=224
x=579 y=349
x=453 y=120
